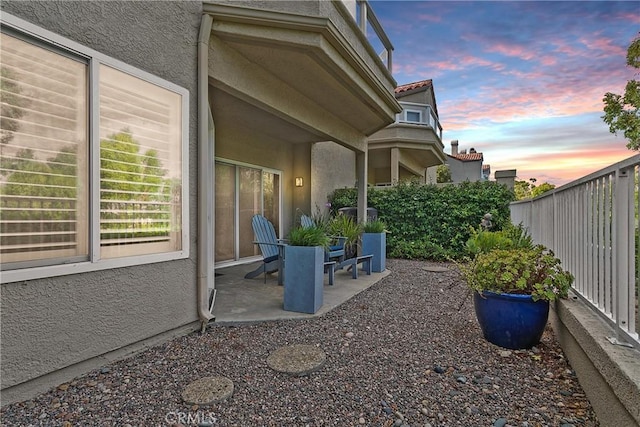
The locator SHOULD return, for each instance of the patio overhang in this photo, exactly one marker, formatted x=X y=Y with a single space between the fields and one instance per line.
x=298 y=78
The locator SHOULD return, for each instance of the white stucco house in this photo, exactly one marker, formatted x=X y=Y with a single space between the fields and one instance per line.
x=405 y=149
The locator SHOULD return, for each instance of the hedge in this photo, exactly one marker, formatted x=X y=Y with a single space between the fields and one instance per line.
x=431 y=221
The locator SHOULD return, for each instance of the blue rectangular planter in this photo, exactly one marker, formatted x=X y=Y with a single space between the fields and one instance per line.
x=303 y=278
x=375 y=244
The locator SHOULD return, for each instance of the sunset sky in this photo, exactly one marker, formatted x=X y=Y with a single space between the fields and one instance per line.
x=521 y=82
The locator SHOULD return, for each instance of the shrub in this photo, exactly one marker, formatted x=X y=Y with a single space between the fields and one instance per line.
x=536 y=272
x=431 y=222
x=510 y=237
x=443 y=174
x=420 y=249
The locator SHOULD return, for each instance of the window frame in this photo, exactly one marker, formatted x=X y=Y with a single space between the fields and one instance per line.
x=236 y=164
x=406 y=113
x=63 y=46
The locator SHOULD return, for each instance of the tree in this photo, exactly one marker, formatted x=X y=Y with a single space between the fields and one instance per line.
x=542 y=188
x=622 y=112
x=528 y=189
x=443 y=174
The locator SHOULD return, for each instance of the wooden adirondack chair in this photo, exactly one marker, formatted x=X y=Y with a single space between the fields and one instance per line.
x=271 y=247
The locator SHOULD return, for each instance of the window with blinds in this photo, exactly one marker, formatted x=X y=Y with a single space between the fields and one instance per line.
x=43 y=155
x=140 y=166
x=48 y=149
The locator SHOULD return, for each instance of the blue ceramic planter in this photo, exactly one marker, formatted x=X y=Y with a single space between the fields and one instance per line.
x=509 y=320
x=303 y=278
x=375 y=244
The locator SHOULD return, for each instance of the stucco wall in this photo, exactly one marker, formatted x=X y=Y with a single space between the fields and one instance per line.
x=329 y=156
x=310 y=8
x=240 y=144
x=421 y=97
x=463 y=171
x=56 y=323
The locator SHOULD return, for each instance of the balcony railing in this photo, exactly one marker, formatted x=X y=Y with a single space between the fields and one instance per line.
x=373 y=31
x=419 y=114
x=592 y=225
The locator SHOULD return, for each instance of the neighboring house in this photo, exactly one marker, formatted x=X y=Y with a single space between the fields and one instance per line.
x=138 y=140
x=486 y=172
x=465 y=166
x=405 y=149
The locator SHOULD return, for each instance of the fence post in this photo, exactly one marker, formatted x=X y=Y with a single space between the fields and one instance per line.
x=620 y=253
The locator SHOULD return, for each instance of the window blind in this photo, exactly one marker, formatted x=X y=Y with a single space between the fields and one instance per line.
x=43 y=152
x=140 y=166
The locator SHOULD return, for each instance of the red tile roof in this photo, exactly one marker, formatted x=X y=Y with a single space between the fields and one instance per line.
x=469 y=157
x=416 y=85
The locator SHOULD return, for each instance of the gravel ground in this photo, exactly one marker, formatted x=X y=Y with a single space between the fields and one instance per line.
x=406 y=352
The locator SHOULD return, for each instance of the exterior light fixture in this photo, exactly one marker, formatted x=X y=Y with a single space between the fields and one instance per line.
x=299 y=182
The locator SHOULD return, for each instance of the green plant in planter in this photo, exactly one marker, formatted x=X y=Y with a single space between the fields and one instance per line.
x=536 y=272
x=374 y=226
x=510 y=237
x=347 y=227
x=308 y=236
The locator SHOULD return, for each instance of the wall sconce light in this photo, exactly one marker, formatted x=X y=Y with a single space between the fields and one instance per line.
x=299 y=181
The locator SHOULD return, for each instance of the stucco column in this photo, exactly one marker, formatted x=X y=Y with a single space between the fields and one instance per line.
x=506 y=177
x=395 y=166
x=361 y=174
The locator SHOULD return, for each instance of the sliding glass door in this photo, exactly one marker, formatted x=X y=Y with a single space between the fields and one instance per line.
x=243 y=191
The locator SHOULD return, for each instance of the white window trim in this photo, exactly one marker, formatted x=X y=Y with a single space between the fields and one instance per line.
x=94 y=59
x=419 y=112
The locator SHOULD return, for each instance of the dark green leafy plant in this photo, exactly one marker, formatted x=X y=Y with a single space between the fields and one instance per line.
x=419 y=249
x=536 y=272
x=431 y=222
x=308 y=236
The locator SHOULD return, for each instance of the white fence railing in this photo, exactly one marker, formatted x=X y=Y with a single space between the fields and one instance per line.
x=369 y=24
x=592 y=225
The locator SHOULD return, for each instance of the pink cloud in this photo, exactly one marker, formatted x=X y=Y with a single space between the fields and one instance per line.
x=548 y=60
x=536 y=95
x=631 y=17
x=562 y=167
x=605 y=45
x=513 y=50
x=564 y=48
x=427 y=17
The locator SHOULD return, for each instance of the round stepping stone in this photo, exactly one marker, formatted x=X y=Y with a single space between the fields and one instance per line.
x=297 y=359
x=435 y=269
x=208 y=390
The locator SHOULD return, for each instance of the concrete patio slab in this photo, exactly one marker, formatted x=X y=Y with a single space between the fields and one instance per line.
x=251 y=300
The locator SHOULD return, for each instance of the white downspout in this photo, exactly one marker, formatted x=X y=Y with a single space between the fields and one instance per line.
x=206 y=149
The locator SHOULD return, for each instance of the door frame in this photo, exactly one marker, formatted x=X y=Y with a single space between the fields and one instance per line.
x=236 y=238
